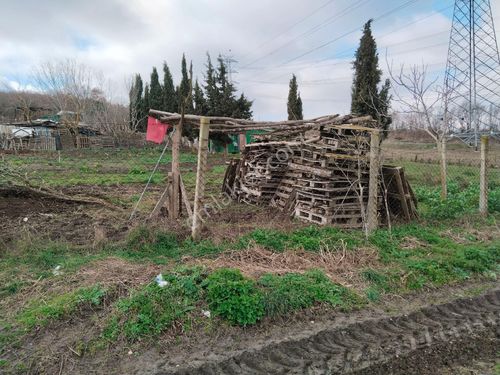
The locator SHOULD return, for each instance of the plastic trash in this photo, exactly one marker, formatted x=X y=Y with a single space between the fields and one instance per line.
x=206 y=313
x=25 y=219
x=160 y=281
x=57 y=270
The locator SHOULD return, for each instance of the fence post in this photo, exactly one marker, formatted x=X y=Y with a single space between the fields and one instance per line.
x=483 y=179
x=372 y=209
x=174 y=211
x=444 y=172
x=200 y=177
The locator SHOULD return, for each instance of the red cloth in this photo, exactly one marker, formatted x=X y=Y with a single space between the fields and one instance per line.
x=156 y=130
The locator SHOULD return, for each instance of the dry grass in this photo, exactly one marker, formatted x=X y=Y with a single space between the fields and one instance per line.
x=341 y=266
x=109 y=273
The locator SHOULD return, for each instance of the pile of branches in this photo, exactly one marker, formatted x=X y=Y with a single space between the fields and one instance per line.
x=14 y=180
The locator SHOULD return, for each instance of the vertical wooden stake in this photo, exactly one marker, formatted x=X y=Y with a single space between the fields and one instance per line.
x=174 y=211
x=483 y=183
x=372 y=208
x=444 y=172
x=200 y=177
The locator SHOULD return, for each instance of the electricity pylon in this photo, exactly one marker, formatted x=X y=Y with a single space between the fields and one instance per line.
x=472 y=79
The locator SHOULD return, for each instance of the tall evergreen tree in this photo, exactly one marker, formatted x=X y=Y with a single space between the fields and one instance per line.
x=169 y=94
x=220 y=96
x=384 y=105
x=184 y=94
x=211 y=90
x=200 y=103
x=294 y=104
x=155 y=91
x=366 y=97
x=243 y=108
x=136 y=111
x=145 y=109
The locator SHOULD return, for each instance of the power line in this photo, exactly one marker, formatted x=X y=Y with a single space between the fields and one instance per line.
x=352 y=49
x=328 y=21
x=293 y=25
x=404 y=5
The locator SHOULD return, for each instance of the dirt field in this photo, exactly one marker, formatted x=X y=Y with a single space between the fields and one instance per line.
x=78 y=291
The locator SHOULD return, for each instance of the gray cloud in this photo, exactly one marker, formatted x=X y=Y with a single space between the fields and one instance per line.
x=121 y=37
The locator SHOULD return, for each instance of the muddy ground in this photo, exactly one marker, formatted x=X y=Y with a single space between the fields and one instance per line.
x=440 y=331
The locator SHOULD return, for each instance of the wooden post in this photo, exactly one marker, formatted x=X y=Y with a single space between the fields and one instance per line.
x=372 y=208
x=444 y=172
x=483 y=183
x=200 y=177
x=174 y=211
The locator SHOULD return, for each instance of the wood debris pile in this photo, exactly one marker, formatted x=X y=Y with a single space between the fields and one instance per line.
x=320 y=177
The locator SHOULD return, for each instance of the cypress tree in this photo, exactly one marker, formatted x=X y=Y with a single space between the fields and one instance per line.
x=220 y=98
x=155 y=91
x=299 y=107
x=211 y=91
x=227 y=100
x=185 y=87
x=200 y=104
x=135 y=102
x=366 y=97
x=384 y=105
x=145 y=109
x=294 y=104
x=243 y=108
x=169 y=94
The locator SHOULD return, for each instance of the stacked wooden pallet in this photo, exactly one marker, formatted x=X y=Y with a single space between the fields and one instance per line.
x=260 y=172
x=323 y=179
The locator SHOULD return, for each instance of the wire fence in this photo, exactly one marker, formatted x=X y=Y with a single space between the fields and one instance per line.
x=421 y=161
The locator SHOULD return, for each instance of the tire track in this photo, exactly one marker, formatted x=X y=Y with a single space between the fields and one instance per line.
x=417 y=343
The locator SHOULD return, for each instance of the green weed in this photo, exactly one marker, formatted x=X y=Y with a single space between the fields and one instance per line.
x=233 y=297
x=41 y=312
x=294 y=291
x=152 y=309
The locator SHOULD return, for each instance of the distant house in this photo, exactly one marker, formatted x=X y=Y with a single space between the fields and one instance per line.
x=49 y=132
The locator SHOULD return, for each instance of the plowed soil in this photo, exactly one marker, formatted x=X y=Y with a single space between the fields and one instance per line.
x=430 y=338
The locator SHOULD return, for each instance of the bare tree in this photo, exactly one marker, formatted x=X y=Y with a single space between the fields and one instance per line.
x=71 y=86
x=420 y=96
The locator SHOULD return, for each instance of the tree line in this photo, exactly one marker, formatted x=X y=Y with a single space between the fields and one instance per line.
x=216 y=95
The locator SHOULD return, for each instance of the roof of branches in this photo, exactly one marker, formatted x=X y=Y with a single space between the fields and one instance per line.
x=231 y=125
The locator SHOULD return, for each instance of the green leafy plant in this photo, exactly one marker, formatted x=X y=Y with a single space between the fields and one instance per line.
x=233 y=297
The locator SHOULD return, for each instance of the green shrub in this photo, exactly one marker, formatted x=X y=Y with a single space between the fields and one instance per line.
x=234 y=297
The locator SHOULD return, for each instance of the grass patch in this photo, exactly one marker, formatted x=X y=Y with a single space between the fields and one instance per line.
x=434 y=260
x=40 y=312
x=311 y=238
x=226 y=293
x=294 y=291
x=152 y=309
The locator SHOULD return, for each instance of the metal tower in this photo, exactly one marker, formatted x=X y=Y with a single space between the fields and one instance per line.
x=472 y=79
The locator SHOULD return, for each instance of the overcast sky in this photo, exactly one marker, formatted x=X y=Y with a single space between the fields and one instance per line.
x=270 y=40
